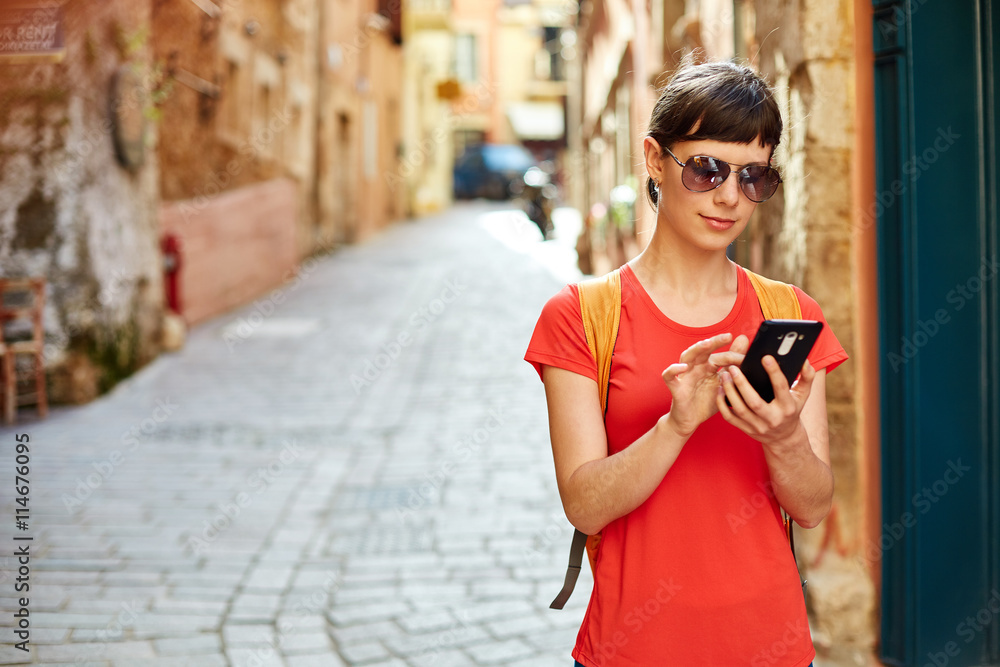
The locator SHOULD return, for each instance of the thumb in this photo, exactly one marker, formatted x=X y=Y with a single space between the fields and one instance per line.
x=803 y=385
x=672 y=371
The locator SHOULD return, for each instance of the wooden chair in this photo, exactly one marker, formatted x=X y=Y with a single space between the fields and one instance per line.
x=22 y=303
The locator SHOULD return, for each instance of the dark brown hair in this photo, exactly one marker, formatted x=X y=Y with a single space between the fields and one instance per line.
x=722 y=101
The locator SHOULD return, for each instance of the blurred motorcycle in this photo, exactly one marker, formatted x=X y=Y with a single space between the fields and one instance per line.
x=539 y=195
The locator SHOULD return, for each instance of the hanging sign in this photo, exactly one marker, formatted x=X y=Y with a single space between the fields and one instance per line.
x=449 y=89
x=31 y=31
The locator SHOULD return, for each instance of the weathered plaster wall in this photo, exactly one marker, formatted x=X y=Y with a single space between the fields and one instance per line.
x=70 y=212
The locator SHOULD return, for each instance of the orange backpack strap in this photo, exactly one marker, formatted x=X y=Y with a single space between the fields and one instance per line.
x=600 y=309
x=777 y=299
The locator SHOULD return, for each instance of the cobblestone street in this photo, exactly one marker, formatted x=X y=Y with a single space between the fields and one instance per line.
x=352 y=470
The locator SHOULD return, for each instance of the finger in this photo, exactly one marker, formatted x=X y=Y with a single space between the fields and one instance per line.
x=778 y=379
x=741 y=344
x=748 y=395
x=728 y=394
x=727 y=358
x=671 y=372
x=730 y=402
x=749 y=410
x=700 y=351
x=722 y=399
x=734 y=355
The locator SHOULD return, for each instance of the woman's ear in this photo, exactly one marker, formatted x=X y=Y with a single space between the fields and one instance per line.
x=654 y=159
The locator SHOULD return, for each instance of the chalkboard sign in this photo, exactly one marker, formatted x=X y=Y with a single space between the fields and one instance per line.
x=31 y=31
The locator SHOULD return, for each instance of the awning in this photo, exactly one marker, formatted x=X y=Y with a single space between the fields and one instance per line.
x=539 y=121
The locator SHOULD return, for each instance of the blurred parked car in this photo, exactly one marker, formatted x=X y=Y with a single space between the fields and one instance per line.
x=493 y=171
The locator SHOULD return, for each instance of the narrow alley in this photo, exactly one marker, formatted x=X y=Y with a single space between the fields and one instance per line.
x=351 y=470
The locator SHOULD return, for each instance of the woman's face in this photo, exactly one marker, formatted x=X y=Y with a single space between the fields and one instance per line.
x=709 y=220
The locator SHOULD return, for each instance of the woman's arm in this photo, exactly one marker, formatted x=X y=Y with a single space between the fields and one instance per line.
x=800 y=466
x=793 y=430
x=597 y=488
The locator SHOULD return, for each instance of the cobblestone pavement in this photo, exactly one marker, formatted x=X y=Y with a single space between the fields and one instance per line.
x=352 y=470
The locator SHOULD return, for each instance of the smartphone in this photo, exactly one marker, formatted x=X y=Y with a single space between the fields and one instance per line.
x=789 y=342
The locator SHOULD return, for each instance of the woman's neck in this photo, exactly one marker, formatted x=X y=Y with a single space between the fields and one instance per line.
x=664 y=265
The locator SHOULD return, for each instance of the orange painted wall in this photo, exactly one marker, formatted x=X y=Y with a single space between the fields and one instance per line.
x=866 y=277
x=234 y=247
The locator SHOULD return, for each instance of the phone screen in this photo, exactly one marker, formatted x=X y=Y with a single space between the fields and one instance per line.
x=789 y=342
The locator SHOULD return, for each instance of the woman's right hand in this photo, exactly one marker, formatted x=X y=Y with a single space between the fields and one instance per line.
x=694 y=381
x=597 y=487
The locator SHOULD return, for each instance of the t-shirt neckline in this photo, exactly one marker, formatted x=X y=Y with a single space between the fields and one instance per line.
x=742 y=290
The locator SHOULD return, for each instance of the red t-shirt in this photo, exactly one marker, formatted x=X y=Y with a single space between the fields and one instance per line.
x=701 y=572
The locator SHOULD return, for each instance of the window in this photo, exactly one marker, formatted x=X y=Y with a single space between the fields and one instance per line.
x=296 y=141
x=370 y=139
x=233 y=116
x=268 y=121
x=543 y=65
x=548 y=59
x=293 y=140
x=466 y=60
x=233 y=121
x=263 y=135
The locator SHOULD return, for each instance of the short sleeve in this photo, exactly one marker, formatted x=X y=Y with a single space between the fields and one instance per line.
x=827 y=353
x=559 y=339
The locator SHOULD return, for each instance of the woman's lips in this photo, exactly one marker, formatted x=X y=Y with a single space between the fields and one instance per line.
x=720 y=224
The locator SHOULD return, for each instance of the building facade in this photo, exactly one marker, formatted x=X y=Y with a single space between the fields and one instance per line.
x=79 y=188
x=883 y=103
x=360 y=133
x=283 y=118
x=479 y=72
x=235 y=171
x=185 y=156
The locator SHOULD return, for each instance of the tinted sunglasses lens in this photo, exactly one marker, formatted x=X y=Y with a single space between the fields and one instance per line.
x=759 y=183
x=701 y=173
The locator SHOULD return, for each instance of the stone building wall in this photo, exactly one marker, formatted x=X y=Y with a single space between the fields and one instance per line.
x=805 y=236
x=70 y=211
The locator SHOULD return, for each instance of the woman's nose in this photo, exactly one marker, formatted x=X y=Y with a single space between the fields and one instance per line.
x=729 y=192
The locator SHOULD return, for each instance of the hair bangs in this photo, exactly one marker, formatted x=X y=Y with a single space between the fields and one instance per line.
x=737 y=115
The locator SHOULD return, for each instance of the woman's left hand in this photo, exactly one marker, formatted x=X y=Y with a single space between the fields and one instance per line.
x=770 y=423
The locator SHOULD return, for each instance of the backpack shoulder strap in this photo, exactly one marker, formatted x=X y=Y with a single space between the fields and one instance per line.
x=600 y=309
x=777 y=299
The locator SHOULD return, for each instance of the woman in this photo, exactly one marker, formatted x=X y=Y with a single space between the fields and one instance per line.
x=686 y=473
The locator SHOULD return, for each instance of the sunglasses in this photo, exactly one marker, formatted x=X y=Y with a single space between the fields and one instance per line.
x=702 y=173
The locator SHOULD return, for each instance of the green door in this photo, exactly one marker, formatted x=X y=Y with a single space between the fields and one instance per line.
x=936 y=63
